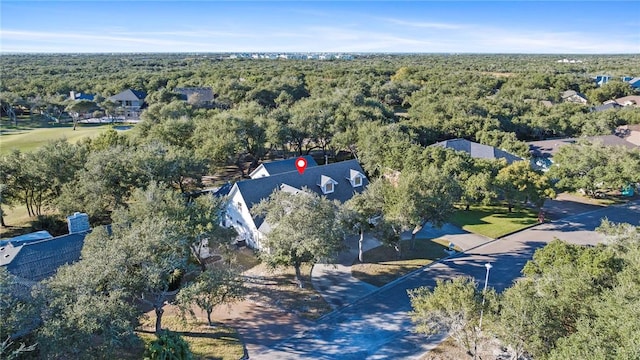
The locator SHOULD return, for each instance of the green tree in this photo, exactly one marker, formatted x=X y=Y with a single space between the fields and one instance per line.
x=304 y=229
x=593 y=167
x=168 y=345
x=453 y=307
x=79 y=107
x=18 y=316
x=518 y=182
x=420 y=198
x=363 y=210
x=213 y=287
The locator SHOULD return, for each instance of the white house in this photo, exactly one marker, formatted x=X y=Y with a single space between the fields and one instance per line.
x=278 y=167
x=130 y=103
x=337 y=181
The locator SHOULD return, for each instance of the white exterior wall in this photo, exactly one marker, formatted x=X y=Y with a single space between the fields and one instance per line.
x=259 y=172
x=246 y=229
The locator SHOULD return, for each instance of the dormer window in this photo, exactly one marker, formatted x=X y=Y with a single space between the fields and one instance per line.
x=355 y=178
x=328 y=188
x=327 y=184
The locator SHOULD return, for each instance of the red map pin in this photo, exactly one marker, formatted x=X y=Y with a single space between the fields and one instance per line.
x=301 y=164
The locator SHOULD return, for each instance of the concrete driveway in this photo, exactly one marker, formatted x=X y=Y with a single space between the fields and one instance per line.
x=378 y=326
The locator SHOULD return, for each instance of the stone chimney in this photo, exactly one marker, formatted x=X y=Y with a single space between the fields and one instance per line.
x=78 y=222
x=72 y=95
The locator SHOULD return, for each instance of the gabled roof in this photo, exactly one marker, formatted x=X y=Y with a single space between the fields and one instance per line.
x=39 y=260
x=570 y=93
x=354 y=173
x=204 y=93
x=478 y=151
x=254 y=190
x=282 y=166
x=634 y=81
x=324 y=180
x=129 y=95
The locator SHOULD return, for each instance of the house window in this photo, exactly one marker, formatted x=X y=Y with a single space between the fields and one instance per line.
x=357 y=181
x=328 y=188
x=239 y=206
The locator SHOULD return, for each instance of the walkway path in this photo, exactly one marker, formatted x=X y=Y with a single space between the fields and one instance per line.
x=378 y=326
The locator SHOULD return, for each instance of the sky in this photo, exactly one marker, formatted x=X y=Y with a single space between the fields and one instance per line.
x=90 y=26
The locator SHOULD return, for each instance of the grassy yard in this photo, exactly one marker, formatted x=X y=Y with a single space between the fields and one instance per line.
x=219 y=342
x=382 y=265
x=494 y=221
x=29 y=138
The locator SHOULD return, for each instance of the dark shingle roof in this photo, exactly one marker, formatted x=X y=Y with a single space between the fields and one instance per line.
x=608 y=106
x=129 y=95
x=476 y=150
x=39 y=260
x=254 y=190
x=282 y=166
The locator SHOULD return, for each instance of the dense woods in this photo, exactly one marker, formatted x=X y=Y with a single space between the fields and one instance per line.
x=384 y=110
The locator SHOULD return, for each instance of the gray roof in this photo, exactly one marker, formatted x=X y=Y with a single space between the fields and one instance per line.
x=476 y=150
x=569 y=93
x=129 y=95
x=205 y=94
x=607 y=106
x=254 y=190
x=549 y=148
x=282 y=166
x=39 y=260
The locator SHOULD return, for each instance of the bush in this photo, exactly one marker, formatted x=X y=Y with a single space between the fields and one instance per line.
x=168 y=346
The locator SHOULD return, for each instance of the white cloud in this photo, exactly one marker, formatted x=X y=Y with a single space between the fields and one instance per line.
x=424 y=25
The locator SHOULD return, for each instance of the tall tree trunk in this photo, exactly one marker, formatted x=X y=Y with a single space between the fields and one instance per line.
x=298 y=275
x=2 y=223
x=209 y=311
x=159 y=311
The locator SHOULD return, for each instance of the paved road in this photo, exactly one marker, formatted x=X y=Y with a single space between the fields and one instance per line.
x=378 y=326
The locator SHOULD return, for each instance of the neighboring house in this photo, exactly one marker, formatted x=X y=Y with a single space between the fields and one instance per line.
x=542 y=152
x=196 y=95
x=635 y=83
x=337 y=181
x=280 y=166
x=80 y=96
x=602 y=79
x=478 y=151
x=632 y=100
x=574 y=97
x=36 y=260
x=130 y=103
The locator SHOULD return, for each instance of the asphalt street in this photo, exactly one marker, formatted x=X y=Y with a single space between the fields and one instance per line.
x=377 y=326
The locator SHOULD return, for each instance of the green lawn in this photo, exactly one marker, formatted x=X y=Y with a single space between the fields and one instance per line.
x=381 y=265
x=28 y=139
x=219 y=342
x=494 y=221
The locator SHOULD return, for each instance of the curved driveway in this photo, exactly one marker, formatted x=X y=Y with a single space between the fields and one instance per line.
x=378 y=326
